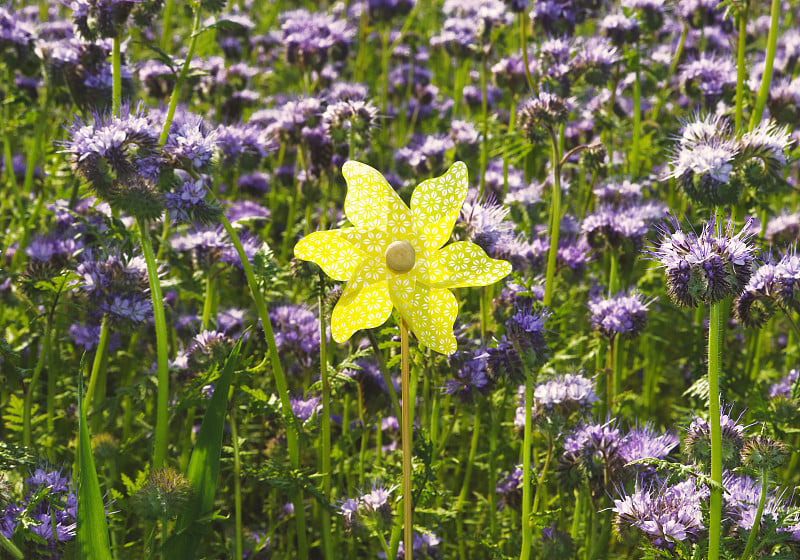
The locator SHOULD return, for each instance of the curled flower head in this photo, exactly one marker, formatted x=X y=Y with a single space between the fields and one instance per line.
x=394 y=256
x=622 y=314
x=705 y=268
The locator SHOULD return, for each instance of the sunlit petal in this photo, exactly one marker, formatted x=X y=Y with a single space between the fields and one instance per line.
x=365 y=309
x=429 y=313
x=372 y=203
x=334 y=254
x=436 y=203
x=463 y=263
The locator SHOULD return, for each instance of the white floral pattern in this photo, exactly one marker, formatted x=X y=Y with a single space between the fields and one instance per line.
x=380 y=217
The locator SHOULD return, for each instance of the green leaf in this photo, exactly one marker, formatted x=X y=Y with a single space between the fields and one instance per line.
x=203 y=469
x=92 y=530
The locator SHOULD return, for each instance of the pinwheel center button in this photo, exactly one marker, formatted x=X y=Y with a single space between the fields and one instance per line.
x=400 y=257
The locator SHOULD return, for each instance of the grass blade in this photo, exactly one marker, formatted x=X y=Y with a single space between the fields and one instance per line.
x=92 y=529
x=203 y=467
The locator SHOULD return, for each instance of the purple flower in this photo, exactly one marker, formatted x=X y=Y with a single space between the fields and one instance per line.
x=305 y=409
x=424 y=155
x=783 y=229
x=469 y=378
x=296 y=332
x=708 y=75
x=624 y=314
x=485 y=221
x=667 y=514
x=705 y=268
x=783 y=388
x=697 y=442
x=311 y=40
x=741 y=497
x=510 y=488
x=644 y=442
x=564 y=394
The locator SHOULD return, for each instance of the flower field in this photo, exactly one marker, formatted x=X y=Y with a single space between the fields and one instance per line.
x=460 y=279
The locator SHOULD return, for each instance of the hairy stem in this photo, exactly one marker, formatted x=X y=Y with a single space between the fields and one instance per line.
x=714 y=370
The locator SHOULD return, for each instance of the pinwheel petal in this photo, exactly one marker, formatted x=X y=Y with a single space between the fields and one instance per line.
x=429 y=313
x=372 y=203
x=334 y=254
x=436 y=203
x=463 y=264
x=365 y=309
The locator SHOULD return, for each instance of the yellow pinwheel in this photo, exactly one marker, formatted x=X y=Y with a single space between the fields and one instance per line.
x=394 y=256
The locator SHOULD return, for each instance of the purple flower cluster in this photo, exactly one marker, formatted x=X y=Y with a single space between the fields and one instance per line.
x=770 y=285
x=564 y=394
x=705 y=268
x=116 y=286
x=600 y=452
x=375 y=501
x=50 y=519
x=313 y=39
x=667 y=514
x=624 y=314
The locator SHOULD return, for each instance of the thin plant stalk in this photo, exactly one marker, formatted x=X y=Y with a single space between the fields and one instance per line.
x=527 y=443
x=280 y=382
x=542 y=474
x=714 y=370
x=672 y=68
x=97 y=363
x=484 y=122
x=751 y=539
x=740 y=68
x=166 y=28
x=555 y=223
x=37 y=371
x=462 y=496
x=637 y=115
x=176 y=92
x=116 y=71
x=523 y=37
x=237 y=482
x=405 y=428
x=159 y=318
x=325 y=423
x=766 y=78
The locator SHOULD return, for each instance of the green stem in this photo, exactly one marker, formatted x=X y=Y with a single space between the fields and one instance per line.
x=485 y=124
x=542 y=475
x=387 y=378
x=97 y=363
x=672 y=68
x=116 y=71
x=37 y=371
x=10 y=547
x=405 y=428
x=237 y=482
x=176 y=92
x=523 y=34
x=208 y=300
x=751 y=539
x=325 y=423
x=290 y=422
x=740 y=68
x=527 y=443
x=714 y=370
x=462 y=496
x=159 y=318
x=766 y=78
x=166 y=27
x=555 y=223
x=637 y=115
